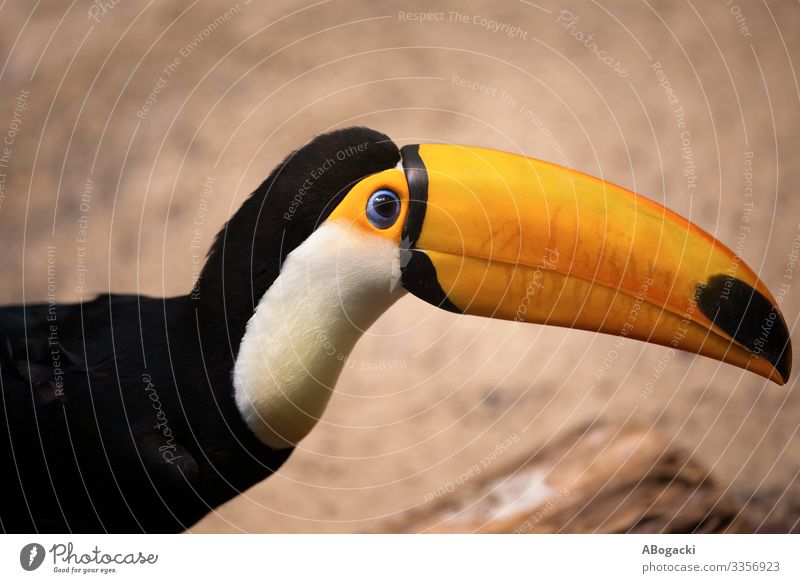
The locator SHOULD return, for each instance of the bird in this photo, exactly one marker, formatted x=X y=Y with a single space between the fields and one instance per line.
x=130 y=413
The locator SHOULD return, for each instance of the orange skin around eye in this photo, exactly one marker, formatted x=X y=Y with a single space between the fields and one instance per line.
x=352 y=211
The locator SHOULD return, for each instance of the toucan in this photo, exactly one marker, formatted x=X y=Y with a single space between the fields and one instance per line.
x=129 y=413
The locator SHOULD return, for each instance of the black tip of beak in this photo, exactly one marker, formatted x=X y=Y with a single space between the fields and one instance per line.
x=749 y=318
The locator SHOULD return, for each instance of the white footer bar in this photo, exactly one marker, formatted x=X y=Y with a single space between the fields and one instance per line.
x=401 y=558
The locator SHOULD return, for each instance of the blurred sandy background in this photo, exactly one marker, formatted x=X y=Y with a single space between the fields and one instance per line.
x=425 y=394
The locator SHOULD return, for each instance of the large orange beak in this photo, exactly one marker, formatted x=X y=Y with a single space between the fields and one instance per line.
x=505 y=236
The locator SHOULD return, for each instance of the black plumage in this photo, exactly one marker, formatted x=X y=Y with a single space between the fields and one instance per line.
x=118 y=415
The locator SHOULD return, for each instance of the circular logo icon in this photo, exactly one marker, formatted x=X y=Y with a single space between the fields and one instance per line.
x=31 y=556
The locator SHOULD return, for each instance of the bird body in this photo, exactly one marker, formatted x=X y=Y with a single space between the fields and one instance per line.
x=133 y=437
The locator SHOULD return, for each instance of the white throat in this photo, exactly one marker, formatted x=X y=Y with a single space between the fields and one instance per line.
x=330 y=290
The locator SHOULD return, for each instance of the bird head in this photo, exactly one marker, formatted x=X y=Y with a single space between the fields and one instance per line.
x=500 y=235
x=348 y=223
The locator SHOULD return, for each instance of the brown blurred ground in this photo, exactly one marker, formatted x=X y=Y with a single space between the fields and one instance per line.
x=271 y=75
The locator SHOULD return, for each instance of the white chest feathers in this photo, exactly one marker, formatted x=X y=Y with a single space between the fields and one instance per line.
x=330 y=290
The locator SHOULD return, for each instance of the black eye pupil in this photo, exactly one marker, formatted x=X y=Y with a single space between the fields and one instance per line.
x=384 y=205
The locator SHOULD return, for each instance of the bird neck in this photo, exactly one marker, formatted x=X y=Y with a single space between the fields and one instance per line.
x=330 y=289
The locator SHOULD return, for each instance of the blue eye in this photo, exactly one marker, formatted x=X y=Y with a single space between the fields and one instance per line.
x=383 y=208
